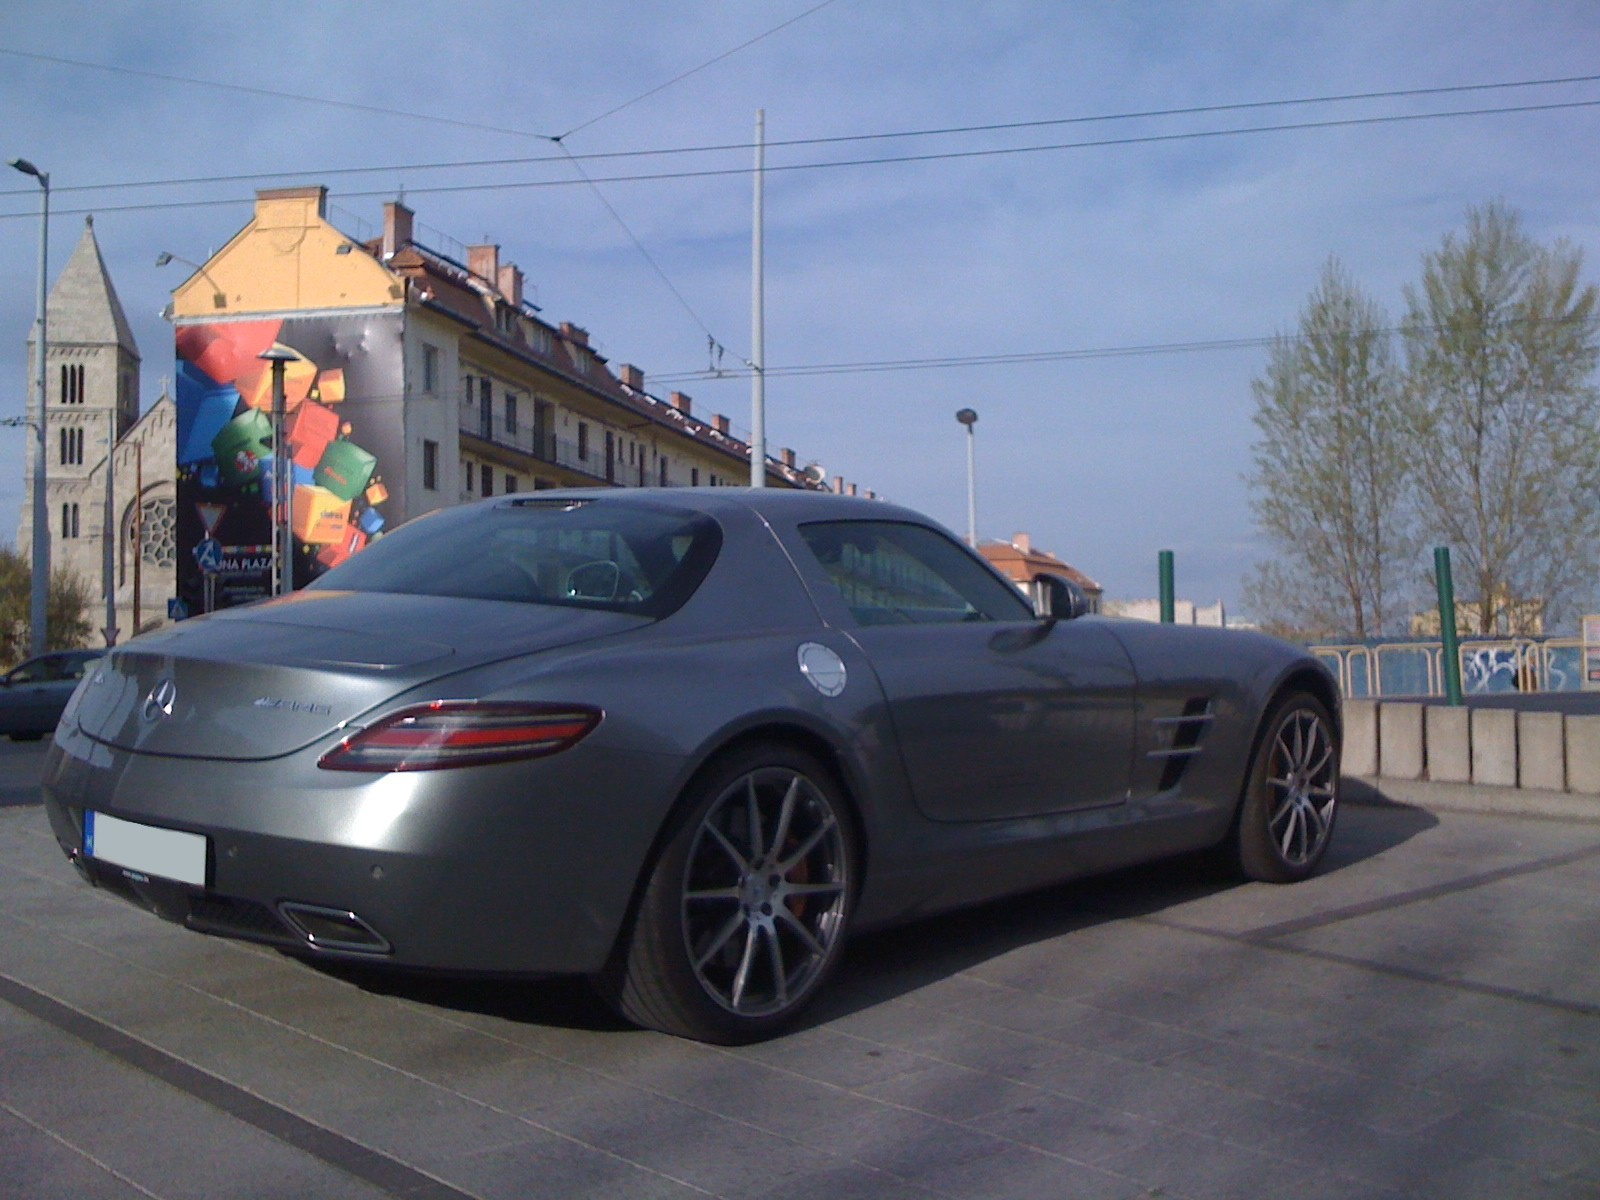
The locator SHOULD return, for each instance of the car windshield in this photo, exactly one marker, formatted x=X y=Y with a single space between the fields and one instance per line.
x=574 y=553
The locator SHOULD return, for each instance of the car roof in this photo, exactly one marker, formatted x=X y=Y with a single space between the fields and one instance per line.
x=780 y=504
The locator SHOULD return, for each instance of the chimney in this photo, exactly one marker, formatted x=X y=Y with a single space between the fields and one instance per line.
x=852 y=489
x=574 y=333
x=680 y=401
x=1022 y=542
x=510 y=283
x=484 y=262
x=720 y=423
x=787 y=456
x=396 y=227
x=838 y=485
x=632 y=377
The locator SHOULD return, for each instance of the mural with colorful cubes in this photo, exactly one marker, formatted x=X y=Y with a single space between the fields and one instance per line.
x=343 y=397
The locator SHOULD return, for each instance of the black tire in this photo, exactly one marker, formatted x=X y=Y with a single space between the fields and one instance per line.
x=743 y=913
x=1291 y=797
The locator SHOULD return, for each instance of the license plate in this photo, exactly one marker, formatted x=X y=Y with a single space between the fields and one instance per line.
x=145 y=849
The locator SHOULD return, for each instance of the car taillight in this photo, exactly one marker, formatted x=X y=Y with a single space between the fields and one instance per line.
x=458 y=733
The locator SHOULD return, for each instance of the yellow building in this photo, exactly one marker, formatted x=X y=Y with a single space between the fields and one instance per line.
x=411 y=381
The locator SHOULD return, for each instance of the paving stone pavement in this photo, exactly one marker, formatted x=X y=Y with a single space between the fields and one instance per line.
x=1422 y=1019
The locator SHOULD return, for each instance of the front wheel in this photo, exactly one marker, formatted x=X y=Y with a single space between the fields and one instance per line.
x=744 y=912
x=1292 y=795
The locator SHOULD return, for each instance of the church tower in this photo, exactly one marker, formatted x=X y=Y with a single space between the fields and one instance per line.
x=91 y=403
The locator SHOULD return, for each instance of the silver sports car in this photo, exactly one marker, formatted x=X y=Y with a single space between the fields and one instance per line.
x=678 y=741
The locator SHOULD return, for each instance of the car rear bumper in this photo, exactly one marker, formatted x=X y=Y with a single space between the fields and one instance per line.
x=502 y=869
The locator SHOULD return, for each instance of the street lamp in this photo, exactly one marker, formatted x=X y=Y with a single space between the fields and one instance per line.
x=39 y=604
x=969 y=418
x=282 y=533
x=218 y=298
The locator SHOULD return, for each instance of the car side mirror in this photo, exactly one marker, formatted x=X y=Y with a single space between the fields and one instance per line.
x=1059 y=599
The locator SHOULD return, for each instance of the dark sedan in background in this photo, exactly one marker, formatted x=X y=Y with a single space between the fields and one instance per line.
x=34 y=693
x=679 y=741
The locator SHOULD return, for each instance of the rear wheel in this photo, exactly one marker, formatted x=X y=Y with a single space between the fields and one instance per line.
x=744 y=913
x=1291 y=798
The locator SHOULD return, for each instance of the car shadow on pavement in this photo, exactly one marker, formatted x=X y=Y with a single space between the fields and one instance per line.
x=883 y=965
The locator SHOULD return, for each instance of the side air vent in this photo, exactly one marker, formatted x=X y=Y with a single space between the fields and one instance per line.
x=1178 y=739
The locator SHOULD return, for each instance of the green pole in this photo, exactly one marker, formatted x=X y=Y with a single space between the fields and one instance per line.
x=1447 y=625
x=1168 y=604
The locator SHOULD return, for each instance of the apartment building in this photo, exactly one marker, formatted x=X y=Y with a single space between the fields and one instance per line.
x=413 y=379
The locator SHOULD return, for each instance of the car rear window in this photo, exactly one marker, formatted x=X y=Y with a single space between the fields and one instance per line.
x=629 y=558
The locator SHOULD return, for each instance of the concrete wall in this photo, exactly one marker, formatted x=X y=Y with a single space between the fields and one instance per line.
x=1498 y=747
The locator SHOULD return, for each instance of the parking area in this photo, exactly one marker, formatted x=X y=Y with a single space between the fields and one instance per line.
x=1421 y=1019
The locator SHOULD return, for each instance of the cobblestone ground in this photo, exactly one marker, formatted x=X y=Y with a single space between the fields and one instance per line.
x=1420 y=1020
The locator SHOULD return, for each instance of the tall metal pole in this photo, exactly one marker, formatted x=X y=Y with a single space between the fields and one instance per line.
x=39 y=603
x=1167 y=587
x=969 y=418
x=138 y=534
x=282 y=543
x=108 y=549
x=758 y=333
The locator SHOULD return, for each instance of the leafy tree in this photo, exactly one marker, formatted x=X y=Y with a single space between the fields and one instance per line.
x=1501 y=347
x=1330 y=470
x=66 y=606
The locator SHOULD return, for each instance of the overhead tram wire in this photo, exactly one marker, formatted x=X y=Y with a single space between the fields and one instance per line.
x=840 y=139
x=887 y=160
x=1027 y=357
x=710 y=62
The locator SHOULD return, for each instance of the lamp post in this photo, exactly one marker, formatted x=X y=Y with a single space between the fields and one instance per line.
x=218 y=298
x=282 y=536
x=969 y=418
x=39 y=604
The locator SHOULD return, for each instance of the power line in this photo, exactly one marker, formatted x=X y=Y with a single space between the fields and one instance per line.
x=648 y=257
x=885 y=160
x=611 y=112
x=387 y=111
x=1144 y=350
x=841 y=139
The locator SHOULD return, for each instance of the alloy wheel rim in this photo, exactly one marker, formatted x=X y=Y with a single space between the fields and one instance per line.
x=1304 y=782
x=765 y=892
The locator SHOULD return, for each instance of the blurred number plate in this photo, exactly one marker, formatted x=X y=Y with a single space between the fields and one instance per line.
x=169 y=853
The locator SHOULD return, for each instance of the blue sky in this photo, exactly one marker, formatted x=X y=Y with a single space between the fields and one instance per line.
x=1105 y=459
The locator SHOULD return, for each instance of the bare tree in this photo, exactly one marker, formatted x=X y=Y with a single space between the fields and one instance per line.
x=1504 y=418
x=1329 y=481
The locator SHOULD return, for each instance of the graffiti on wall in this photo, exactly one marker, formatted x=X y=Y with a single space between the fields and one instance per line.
x=341 y=425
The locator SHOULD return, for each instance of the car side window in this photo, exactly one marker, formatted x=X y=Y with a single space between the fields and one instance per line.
x=30 y=672
x=896 y=573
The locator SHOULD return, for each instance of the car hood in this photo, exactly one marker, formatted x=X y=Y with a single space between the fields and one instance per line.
x=263 y=681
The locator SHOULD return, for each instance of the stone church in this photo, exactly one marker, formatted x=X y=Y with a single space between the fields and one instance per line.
x=92 y=404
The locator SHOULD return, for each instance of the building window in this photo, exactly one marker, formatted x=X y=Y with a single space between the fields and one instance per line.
x=430 y=368
x=430 y=465
x=694 y=476
x=72 y=447
x=488 y=480
x=466 y=474
x=72 y=383
x=663 y=472
x=511 y=413
x=583 y=441
x=511 y=484
x=69 y=520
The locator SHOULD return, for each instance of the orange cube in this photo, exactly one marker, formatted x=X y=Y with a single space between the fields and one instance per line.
x=320 y=518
